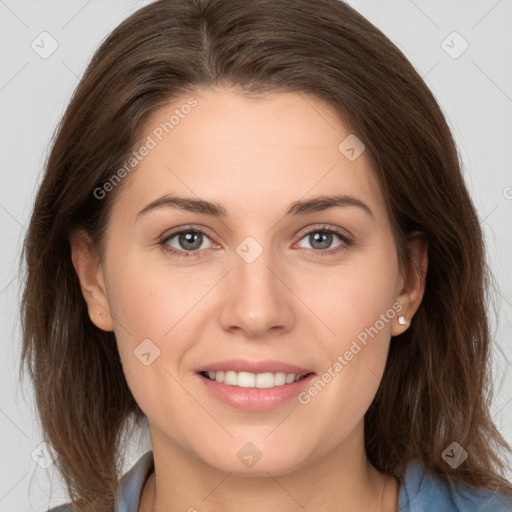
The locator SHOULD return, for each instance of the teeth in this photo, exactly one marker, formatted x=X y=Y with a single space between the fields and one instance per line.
x=253 y=380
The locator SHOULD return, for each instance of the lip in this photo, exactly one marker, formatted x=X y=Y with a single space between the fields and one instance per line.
x=254 y=399
x=246 y=365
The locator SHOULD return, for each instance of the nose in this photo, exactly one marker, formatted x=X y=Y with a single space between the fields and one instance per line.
x=258 y=301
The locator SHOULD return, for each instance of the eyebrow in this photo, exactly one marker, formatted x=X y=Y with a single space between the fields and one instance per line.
x=316 y=204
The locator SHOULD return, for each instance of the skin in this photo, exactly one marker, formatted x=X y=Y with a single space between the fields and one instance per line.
x=255 y=157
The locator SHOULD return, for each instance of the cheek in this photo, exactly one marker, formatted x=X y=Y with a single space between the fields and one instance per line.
x=157 y=309
x=144 y=307
x=357 y=296
x=354 y=363
x=148 y=299
x=358 y=310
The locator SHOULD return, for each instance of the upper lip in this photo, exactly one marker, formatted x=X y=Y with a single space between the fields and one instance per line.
x=246 y=365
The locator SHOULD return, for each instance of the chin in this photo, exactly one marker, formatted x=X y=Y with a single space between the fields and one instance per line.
x=248 y=462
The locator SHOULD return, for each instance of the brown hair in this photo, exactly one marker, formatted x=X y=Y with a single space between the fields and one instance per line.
x=436 y=385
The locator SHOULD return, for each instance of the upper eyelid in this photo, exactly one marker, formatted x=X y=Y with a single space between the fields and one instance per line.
x=186 y=229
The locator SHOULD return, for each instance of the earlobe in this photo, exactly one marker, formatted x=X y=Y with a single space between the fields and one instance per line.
x=414 y=279
x=90 y=276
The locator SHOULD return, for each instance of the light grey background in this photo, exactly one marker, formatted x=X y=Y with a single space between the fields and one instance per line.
x=474 y=90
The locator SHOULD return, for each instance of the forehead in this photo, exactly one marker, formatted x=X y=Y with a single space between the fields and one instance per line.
x=224 y=146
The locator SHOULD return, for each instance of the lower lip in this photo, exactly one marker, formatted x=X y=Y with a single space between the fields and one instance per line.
x=255 y=399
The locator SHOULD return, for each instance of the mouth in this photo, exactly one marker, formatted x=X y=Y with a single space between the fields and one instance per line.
x=254 y=380
x=254 y=385
x=254 y=392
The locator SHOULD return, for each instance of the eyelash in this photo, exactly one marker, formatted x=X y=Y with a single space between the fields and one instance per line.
x=347 y=242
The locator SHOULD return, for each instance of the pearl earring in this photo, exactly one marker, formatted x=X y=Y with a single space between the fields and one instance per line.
x=401 y=320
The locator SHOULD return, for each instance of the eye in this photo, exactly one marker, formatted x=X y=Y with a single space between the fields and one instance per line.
x=190 y=242
x=185 y=243
x=321 y=238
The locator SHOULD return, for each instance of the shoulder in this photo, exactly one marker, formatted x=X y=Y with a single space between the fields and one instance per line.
x=130 y=486
x=420 y=492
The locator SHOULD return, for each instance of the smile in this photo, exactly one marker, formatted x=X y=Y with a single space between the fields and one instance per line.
x=253 y=380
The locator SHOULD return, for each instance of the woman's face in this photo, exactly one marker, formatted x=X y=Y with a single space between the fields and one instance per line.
x=262 y=277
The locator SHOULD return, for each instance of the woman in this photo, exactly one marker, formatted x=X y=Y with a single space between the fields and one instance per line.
x=253 y=232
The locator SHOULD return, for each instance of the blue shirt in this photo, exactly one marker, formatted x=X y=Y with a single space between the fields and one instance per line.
x=418 y=493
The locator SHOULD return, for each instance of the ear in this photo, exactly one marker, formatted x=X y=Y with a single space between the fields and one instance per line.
x=412 y=281
x=90 y=275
